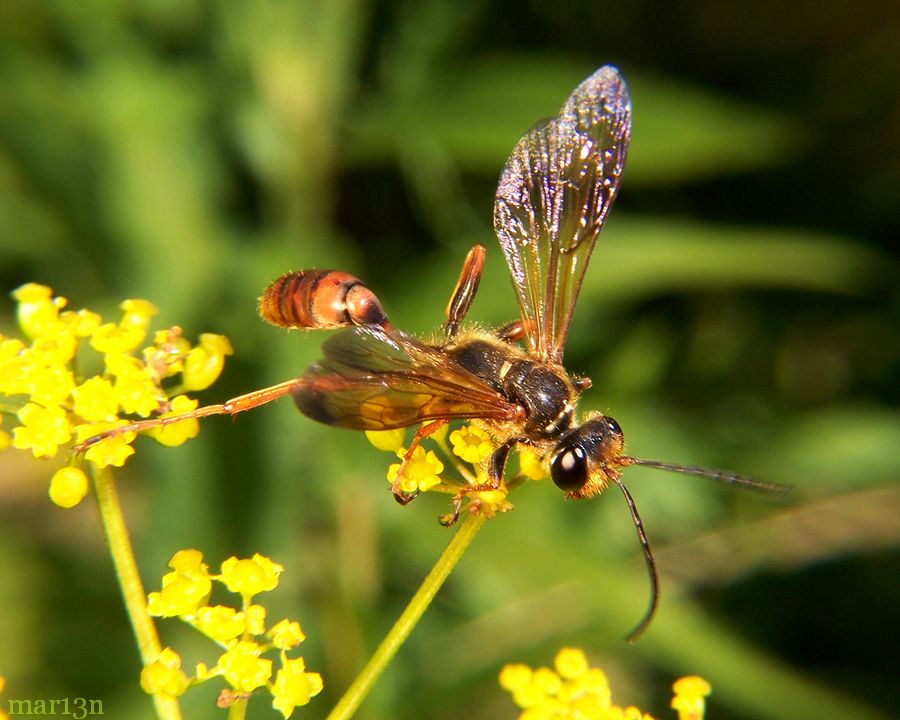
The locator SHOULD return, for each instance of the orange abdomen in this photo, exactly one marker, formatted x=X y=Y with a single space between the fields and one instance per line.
x=320 y=299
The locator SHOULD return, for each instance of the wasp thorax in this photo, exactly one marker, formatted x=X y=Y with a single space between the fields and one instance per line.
x=580 y=463
x=544 y=394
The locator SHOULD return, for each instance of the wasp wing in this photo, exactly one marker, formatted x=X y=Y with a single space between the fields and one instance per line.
x=553 y=197
x=372 y=379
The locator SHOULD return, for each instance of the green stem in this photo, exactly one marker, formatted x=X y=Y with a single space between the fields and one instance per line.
x=130 y=581
x=366 y=679
x=238 y=709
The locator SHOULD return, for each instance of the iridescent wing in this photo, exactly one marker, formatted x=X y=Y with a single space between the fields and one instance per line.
x=371 y=379
x=554 y=194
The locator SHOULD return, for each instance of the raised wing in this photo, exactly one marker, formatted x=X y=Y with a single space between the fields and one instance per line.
x=371 y=379
x=554 y=194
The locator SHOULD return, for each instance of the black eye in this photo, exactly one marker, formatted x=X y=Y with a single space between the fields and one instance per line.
x=569 y=469
x=614 y=426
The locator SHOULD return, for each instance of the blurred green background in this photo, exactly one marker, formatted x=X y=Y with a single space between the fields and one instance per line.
x=741 y=311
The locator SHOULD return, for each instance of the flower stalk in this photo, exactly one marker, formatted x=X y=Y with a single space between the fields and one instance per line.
x=368 y=676
x=130 y=581
x=238 y=709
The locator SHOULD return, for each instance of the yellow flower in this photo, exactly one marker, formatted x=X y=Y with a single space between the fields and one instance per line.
x=530 y=465
x=286 y=634
x=180 y=596
x=68 y=486
x=184 y=589
x=514 y=676
x=129 y=333
x=43 y=429
x=113 y=450
x=388 y=440
x=250 y=576
x=421 y=473
x=489 y=502
x=37 y=311
x=189 y=561
x=13 y=365
x=48 y=385
x=294 y=686
x=95 y=400
x=255 y=617
x=204 y=363
x=164 y=675
x=82 y=323
x=138 y=312
x=219 y=622
x=135 y=386
x=548 y=681
x=692 y=686
x=690 y=694
x=165 y=357
x=243 y=668
x=570 y=663
x=592 y=682
x=472 y=444
x=112 y=338
x=181 y=431
x=528 y=696
x=56 y=346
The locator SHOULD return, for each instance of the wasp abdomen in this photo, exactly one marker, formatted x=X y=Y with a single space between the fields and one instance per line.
x=320 y=299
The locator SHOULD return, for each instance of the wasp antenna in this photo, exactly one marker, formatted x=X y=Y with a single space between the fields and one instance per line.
x=651 y=566
x=724 y=476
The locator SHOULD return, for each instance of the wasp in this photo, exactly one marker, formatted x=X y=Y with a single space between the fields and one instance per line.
x=553 y=197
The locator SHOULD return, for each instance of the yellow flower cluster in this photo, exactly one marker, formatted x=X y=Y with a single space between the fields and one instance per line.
x=56 y=406
x=573 y=690
x=424 y=469
x=242 y=633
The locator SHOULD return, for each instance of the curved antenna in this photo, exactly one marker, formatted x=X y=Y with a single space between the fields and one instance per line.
x=648 y=559
x=729 y=478
x=723 y=476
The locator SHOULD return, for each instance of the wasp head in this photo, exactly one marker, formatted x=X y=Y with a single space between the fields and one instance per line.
x=583 y=463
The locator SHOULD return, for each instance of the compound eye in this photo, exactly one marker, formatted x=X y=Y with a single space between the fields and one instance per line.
x=569 y=469
x=614 y=426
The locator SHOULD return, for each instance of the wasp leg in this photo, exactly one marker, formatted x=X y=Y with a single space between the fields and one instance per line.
x=581 y=383
x=513 y=332
x=231 y=407
x=400 y=495
x=464 y=292
x=496 y=465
